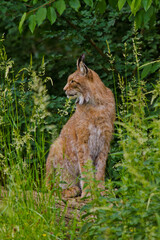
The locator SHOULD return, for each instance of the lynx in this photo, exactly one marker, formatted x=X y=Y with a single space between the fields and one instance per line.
x=87 y=134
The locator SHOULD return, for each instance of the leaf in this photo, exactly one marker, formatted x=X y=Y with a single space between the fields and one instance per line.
x=155 y=67
x=89 y=2
x=32 y=22
x=101 y=6
x=75 y=4
x=135 y=6
x=22 y=21
x=121 y=4
x=41 y=15
x=146 y=71
x=60 y=6
x=139 y=18
x=113 y=3
x=51 y=15
x=129 y=2
x=148 y=15
x=35 y=1
x=85 y=228
x=146 y=4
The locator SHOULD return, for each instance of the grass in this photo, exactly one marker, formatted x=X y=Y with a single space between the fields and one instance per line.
x=28 y=217
x=131 y=209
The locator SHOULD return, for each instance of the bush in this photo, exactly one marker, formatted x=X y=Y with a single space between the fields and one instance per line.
x=27 y=129
x=131 y=209
x=25 y=126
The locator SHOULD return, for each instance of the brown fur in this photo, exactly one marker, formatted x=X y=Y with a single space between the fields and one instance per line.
x=87 y=134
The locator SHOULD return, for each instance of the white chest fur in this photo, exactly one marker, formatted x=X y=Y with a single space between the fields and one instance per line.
x=95 y=141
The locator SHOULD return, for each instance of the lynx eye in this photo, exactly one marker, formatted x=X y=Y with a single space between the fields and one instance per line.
x=73 y=81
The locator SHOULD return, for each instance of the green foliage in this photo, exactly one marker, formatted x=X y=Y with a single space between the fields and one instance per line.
x=64 y=41
x=21 y=22
x=32 y=23
x=131 y=211
x=60 y=6
x=89 y=2
x=150 y=67
x=41 y=15
x=25 y=126
x=26 y=130
x=121 y=4
x=75 y=4
x=51 y=14
x=143 y=11
x=31 y=116
x=26 y=215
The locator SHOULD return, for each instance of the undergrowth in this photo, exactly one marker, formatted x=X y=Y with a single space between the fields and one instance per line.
x=131 y=208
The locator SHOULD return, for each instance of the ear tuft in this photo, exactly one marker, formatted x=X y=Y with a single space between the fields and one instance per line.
x=81 y=66
x=80 y=59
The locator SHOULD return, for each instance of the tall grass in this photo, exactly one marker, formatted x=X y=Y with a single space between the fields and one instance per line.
x=131 y=208
x=26 y=132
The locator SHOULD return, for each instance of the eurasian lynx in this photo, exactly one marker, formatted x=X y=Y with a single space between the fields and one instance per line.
x=87 y=134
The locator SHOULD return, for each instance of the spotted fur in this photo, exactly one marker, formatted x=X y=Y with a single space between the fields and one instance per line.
x=87 y=134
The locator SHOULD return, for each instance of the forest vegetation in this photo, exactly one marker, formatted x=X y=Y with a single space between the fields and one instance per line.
x=39 y=44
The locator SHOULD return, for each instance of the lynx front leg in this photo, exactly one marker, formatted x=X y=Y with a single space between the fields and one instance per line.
x=100 y=166
x=85 y=166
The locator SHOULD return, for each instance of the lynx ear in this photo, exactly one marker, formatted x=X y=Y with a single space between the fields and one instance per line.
x=81 y=65
x=80 y=59
x=83 y=69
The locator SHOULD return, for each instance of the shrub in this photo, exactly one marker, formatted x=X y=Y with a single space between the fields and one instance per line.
x=131 y=209
x=25 y=127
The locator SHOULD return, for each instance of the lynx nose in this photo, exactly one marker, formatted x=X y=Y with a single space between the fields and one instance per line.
x=65 y=88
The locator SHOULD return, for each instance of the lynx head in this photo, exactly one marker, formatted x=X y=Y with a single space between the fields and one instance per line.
x=78 y=83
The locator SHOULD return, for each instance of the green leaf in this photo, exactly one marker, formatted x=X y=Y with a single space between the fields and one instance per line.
x=146 y=4
x=139 y=18
x=60 y=6
x=155 y=67
x=32 y=22
x=85 y=228
x=22 y=21
x=101 y=6
x=75 y=4
x=146 y=71
x=121 y=4
x=89 y=2
x=41 y=15
x=135 y=6
x=129 y=2
x=35 y=1
x=148 y=15
x=51 y=15
x=113 y=3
